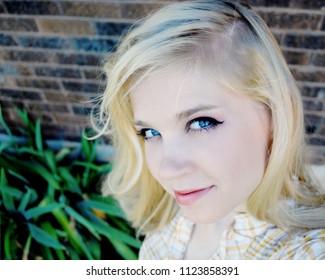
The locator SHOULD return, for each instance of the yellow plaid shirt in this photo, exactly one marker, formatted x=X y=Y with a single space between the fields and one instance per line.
x=246 y=239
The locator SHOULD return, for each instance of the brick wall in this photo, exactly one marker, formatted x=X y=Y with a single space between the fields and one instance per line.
x=51 y=54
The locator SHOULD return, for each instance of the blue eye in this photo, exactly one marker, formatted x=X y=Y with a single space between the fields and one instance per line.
x=203 y=123
x=148 y=133
x=196 y=125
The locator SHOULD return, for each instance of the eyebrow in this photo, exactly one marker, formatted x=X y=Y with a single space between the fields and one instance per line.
x=183 y=115
x=192 y=111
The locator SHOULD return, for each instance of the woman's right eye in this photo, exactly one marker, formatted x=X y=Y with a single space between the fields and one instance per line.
x=148 y=133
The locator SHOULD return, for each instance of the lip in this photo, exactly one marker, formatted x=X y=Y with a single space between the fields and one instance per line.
x=189 y=197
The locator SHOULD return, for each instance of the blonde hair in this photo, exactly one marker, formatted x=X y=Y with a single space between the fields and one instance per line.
x=233 y=43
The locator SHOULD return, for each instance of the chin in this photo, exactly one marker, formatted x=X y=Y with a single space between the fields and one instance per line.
x=199 y=217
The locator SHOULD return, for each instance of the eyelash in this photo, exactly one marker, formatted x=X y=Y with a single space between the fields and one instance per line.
x=213 y=124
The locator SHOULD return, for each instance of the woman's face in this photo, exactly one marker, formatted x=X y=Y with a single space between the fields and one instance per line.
x=206 y=145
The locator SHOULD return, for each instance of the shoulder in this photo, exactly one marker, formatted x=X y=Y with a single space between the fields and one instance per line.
x=268 y=241
x=309 y=244
x=169 y=242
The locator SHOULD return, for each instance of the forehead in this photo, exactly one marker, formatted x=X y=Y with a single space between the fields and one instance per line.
x=169 y=87
x=171 y=92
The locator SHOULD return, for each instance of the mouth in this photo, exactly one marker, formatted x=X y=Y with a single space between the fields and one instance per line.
x=189 y=197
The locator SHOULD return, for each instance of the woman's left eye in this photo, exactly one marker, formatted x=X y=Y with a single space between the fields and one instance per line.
x=205 y=123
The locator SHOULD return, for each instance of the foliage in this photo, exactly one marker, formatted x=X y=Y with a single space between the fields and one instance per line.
x=50 y=204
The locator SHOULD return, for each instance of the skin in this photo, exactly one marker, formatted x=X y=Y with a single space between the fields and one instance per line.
x=200 y=135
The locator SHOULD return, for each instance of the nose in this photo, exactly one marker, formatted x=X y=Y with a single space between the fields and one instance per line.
x=176 y=161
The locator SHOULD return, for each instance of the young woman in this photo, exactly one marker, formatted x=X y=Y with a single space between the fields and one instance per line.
x=207 y=124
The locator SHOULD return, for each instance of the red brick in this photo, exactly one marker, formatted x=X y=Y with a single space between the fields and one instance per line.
x=291 y=21
x=301 y=4
x=64 y=26
x=41 y=84
x=319 y=59
x=60 y=97
x=43 y=117
x=81 y=9
x=32 y=7
x=36 y=106
x=70 y=118
x=136 y=11
x=26 y=55
x=20 y=94
x=296 y=57
x=18 y=24
x=313 y=104
x=309 y=76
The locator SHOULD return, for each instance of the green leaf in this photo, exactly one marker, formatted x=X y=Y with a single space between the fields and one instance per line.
x=61 y=233
x=38 y=136
x=50 y=160
x=27 y=248
x=32 y=167
x=3 y=123
x=105 y=199
x=122 y=225
x=8 y=243
x=46 y=253
x=104 y=168
x=6 y=145
x=5 y=189
x=82 y=221
x=70 y=180
x=13 y=173
x=86 y=178
x=86 y=148
x=3 y=178
x=31 y=151
x=110 y=232
x=42 y=237
x=73 y=254
x=41 y=170
x=124 y=250
x=48 y=228
x=25 y=200
x=24 y=116
x=95 y=248
x=7 y=165
x=122 y=236
x=8 y=199
x=62 y=154
x=93 y=145
x=85 y=248
x=71 y=232
x=86 y=165
x=36 y=168
x=109 y=209
x=41 y=210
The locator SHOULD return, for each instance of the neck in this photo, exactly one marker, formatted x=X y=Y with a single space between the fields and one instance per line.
x=205 y=238
x=214 y=229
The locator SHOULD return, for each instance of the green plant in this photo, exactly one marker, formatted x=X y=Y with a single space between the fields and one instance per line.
x=50 y=206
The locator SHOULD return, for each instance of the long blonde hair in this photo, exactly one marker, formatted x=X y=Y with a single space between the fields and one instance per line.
x=235 y=45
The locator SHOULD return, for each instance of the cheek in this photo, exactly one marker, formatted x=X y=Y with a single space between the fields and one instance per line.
x=152 y=159
x=237 y=156
x=249 y=155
